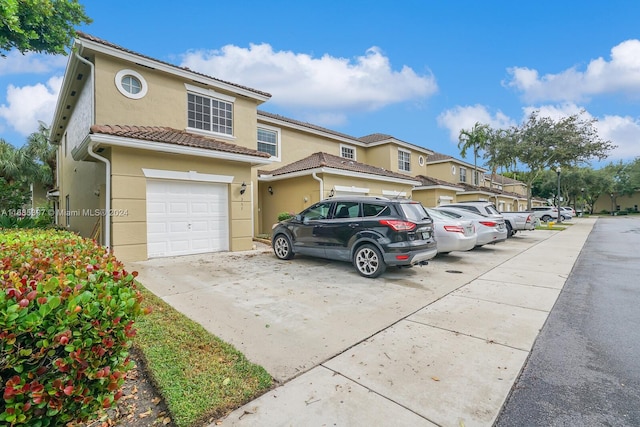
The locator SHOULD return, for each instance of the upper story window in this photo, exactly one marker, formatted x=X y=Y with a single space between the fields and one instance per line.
x=463 y=174
x=347 y=152
x=210 y=114
x=209 y=111
x=476 y=178
x=269 y=141
x=404 y=161
x=131 y=84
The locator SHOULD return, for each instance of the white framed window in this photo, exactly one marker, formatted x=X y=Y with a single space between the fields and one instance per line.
x=131 y=84
x=404 y=161
x=209 y=111
x=463 y=174
x=476 y=178
x=269 y=141
x=348 y=152
x=421 y=160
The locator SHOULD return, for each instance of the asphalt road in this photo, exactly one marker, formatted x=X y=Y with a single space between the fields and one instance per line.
x=584 y=369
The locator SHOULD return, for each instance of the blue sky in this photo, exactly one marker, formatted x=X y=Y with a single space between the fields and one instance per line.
x=417 y=70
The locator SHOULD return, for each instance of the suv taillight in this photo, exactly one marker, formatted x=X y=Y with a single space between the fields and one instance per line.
x=398 y=225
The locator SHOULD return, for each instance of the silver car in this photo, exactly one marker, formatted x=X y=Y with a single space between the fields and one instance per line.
x=452 y=234
x=489 y=230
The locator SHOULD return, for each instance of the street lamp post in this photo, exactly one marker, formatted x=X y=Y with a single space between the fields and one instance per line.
x=612 y=205
x=584 y=202
x=558 y=170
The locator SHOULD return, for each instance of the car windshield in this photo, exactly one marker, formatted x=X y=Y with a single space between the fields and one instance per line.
x=414 y=211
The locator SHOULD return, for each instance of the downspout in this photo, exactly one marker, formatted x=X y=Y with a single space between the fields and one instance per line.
x=107 y=163
x=321 y=184
x=107 y=201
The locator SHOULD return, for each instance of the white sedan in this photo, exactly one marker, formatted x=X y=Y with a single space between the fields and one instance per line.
x=452 y=234
x=489 y=230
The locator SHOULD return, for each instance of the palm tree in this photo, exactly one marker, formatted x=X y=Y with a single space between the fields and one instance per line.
x=475 y=138
x=43 y=154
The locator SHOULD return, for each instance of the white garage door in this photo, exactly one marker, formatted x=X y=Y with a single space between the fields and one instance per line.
x=185 y=217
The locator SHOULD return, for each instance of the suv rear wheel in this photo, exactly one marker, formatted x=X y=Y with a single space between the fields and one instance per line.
x=282 y=247
x=368 y=261
x=546 y=218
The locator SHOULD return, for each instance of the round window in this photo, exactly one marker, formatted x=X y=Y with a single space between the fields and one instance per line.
x=131 y=84
x=453 y=170
x=421 y=161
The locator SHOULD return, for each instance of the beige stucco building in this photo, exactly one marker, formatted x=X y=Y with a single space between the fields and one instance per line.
x=157 y=160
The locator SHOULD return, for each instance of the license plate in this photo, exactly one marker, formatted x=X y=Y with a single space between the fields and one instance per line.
x=426 y=235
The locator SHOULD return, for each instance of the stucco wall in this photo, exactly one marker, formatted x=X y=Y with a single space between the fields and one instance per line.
x=432 y=197
x=443 y=172
x=604 y=203
x=129 y=232
x=165 y=103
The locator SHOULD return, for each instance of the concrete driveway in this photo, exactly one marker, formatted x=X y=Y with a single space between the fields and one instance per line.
x=290 y=316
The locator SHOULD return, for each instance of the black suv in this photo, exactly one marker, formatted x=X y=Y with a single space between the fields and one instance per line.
x=370 y=232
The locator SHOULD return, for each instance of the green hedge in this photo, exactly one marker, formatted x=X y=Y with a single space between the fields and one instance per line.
x=67 y=308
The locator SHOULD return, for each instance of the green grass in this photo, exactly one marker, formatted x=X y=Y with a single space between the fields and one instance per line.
x=199 y=376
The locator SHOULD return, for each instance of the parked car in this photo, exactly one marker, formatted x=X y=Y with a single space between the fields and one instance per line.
x=370 y=232
x=452 y=234
x=545 y=213
x=488 y=229
x=568 y=210
x=513 y=223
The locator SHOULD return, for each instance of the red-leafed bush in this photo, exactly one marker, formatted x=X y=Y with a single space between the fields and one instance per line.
x=67 y=308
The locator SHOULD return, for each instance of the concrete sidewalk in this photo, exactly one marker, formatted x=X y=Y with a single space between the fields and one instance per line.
x=451 y=363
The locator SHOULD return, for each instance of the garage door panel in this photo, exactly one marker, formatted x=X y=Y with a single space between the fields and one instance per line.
x=186 y=218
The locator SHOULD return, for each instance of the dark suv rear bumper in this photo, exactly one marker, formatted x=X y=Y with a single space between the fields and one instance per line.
x=410 y=257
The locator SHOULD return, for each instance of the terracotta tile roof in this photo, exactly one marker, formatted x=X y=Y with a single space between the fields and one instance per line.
x=173 y=136
x=438 y=157
x=375 y=137
x=304 y=124
x=89 y=37
x=321 y=160
x=428 y=180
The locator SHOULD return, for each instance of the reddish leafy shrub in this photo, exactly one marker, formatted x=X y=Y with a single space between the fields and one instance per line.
x=67 y=309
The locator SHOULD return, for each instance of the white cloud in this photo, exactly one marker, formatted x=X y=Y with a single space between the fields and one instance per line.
x=459 y=118
x=623 y=132
x=621 y=74
x=30 y=63
x=326 y=87
x=28 y=104
x=556 y=112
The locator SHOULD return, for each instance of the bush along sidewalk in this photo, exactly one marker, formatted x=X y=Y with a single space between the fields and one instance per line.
x=67 y=309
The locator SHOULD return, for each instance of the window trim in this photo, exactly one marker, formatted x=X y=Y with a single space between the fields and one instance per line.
x=461 y=169
x=407 y=152
x=211 y=94
x=278 y=132
x=144 y=87
x=349 y=147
